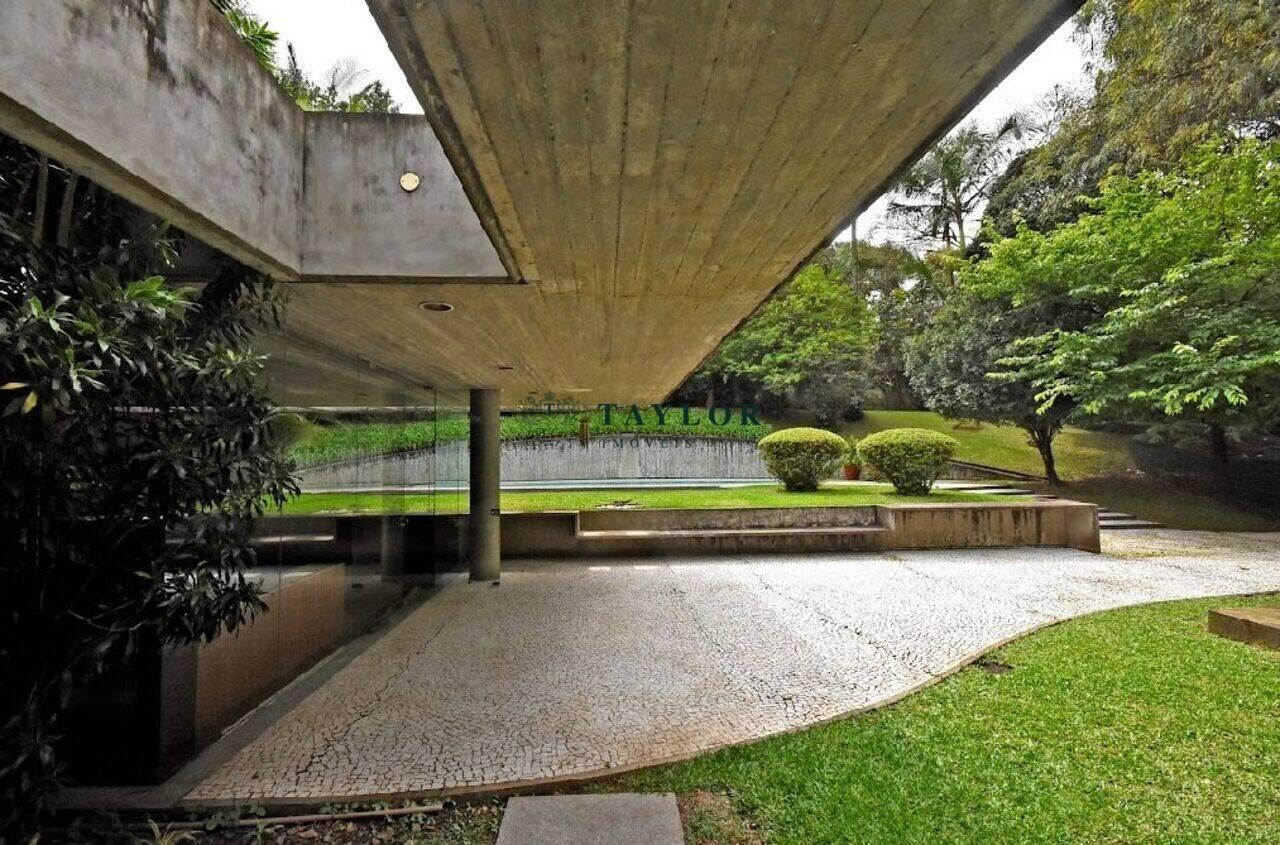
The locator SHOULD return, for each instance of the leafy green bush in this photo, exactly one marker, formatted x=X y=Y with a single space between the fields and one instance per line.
x=802 y=457
x=911 y=458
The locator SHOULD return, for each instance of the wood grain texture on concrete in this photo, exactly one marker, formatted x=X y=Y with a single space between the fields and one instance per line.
x=653 y=170
x=608 y=188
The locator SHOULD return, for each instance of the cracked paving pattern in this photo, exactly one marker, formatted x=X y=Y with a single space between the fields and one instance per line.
x=579 y=667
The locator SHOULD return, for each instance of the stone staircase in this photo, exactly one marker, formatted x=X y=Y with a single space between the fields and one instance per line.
x=1108 y=520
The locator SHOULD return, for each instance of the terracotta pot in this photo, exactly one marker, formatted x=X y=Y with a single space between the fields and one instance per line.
x=852 y=472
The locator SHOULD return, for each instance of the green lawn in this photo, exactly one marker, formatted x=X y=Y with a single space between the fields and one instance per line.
x=756 y=496
x=1169 y=505
x=1131 y=726
x=1079 y=453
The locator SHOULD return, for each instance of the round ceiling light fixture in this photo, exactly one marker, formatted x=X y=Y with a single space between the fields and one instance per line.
x=435 y=306
x=410 y=182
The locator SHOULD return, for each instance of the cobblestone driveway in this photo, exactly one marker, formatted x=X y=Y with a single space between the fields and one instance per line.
x=570 y=669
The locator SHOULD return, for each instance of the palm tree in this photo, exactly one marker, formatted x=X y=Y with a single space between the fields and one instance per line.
x=940 y=192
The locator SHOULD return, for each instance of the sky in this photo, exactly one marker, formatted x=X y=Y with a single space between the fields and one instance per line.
x=325 y=32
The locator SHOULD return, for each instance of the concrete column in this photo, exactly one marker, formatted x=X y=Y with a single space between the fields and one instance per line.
x=486 y=452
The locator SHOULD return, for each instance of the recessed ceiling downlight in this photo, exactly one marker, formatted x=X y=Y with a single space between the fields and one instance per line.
x=435 y=306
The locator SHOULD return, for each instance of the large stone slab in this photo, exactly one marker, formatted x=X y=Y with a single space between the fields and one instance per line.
x=1257 y=625
x=625 y=819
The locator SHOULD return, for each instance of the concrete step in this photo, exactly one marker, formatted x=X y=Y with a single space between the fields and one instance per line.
x=677 y=533
x=1127 y=525
x=622 y=819
x=1109 y=520
x=985 y=487
x=292 y=538
x=1256 y=625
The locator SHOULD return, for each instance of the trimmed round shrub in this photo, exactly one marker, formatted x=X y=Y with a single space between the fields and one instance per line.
x=911 y=458
x=802 y=457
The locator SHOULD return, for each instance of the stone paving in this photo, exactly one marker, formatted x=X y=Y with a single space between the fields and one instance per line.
x=571 y=669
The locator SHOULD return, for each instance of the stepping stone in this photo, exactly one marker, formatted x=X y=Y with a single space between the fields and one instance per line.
x=623 y=819
x=1256 y=625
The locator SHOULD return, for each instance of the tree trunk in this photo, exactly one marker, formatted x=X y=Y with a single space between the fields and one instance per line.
x=66 y=214
x=1042 y=437
x=42 y=201
x=857 y=257
x=22 y=194
x=1220 y=450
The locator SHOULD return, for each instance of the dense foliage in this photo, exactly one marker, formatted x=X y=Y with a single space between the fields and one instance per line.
x=911 y=458
x=801 y=458
x=809 y=342
x=1180 y=274
x=1171 y=76
x=951 y=361
x=343 y=89
x=131 y=415
x=903 y=292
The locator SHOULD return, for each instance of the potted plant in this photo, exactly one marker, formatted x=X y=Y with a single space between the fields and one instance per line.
x=852 y=468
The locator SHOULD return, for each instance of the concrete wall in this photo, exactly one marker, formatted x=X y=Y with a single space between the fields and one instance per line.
x=359 y=221
x=623 y=456
x=304 y=621
x=159 y=101
x=604 y=533
x=562 y=458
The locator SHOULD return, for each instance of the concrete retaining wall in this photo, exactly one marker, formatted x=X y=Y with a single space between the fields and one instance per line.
x=564 y=458
x=604 y=533
x=160 y=102
x=623 y=456
x=304 y=622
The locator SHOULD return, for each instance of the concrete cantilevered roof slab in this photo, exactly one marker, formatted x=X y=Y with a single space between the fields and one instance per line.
x=655 y=168
x=610 y=186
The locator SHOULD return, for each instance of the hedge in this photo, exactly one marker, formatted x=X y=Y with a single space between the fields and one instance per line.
x=911 y=458
x=802 y=457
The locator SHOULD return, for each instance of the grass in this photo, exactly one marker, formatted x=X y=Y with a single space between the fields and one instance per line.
x=1080 y=453
x=324 y=444
x=1177 y=507
x=755 y=496
x=1130 y=726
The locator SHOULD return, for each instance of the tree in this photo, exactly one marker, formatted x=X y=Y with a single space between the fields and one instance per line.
x=810 y=338
x=1178 y=73
x=1170 y=75
x=938 y=196
x=950 y=365
x=1180 y=271
x=130 y=414
x=341 y=90
x=903 y=293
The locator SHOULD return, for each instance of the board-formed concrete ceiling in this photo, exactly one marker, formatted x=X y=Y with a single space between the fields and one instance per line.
x=653 y=169
x=630 y=178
